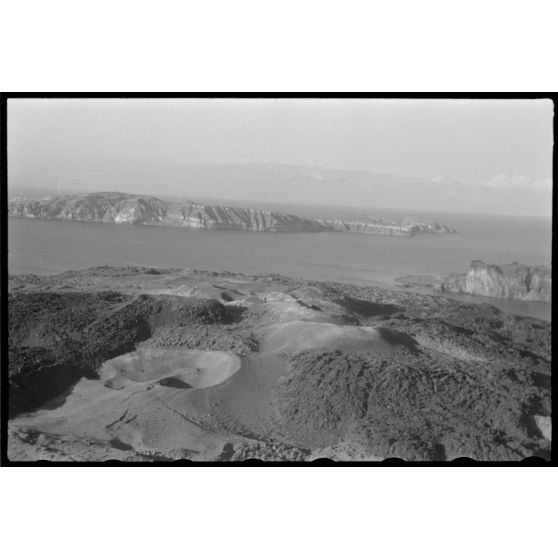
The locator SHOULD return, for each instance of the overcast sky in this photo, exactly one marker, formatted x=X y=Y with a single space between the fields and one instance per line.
x=489 y=141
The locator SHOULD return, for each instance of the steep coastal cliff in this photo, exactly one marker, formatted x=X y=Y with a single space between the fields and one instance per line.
x=517 y=281
x=115 y=207
x=512 y=281
x=392 y=227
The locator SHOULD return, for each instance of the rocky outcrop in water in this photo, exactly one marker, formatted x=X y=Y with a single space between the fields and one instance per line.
x=428 y=226
x=516 y=281
x=367 y=227
x=391 y=227
x=512 y=281
x=115 y=207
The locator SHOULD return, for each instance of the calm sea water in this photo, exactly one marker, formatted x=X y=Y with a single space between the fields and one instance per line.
x=43 y=247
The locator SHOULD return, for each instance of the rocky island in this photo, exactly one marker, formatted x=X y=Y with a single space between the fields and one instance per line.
x=512 y=281
x=116 y=207
x=144 y=364
x=393 y=227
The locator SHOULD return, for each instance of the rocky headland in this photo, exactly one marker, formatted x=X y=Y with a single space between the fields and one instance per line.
x=513 y=281
x=393 y=227
x=115 y=207
x=143 y=364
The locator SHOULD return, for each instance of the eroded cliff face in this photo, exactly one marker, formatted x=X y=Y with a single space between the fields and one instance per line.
x=365 y=227
x=516 y=281
x=115 y=207
x=106 y=207
x=392 y=227
x=428 y=226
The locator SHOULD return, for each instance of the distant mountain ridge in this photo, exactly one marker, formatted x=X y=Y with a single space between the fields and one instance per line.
x=276 y=183
x=117 y=207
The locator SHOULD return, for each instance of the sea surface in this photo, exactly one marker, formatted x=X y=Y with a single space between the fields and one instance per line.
x=45 y=247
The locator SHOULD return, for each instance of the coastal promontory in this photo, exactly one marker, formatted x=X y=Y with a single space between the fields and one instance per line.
x=512 y=281
x=117 y=207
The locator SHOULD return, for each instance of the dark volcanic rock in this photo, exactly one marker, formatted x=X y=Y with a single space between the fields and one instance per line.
x=417 y=407
x=55 y=339
x=438 y=379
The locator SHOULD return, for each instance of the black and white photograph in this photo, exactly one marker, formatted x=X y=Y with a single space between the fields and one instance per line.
x=224 y=279
x=276 y=278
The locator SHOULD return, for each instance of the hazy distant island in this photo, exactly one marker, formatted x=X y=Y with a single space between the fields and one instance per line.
x=513 y=281
x=117 y=207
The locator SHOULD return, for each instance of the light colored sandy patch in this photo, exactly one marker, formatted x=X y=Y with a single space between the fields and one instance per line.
x=199 y=369
x=138 y=419
x=545 y=426
x=182 y=290
x=448 y=348
x=247 y=403
x=280 y=307
x=142 y=415
x=308 y=293
x=247 y=301
x=223 y=291
x=276 y=296
x=203 y=291
x=302 y=336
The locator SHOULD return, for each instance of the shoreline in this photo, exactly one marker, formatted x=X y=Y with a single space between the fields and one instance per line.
x=530 y=309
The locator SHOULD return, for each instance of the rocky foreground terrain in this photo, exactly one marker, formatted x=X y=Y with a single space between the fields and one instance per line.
x=115 y=207
x=513 y=281
x=140 y=364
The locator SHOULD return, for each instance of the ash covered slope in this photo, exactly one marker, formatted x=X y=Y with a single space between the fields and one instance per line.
x=115 y=207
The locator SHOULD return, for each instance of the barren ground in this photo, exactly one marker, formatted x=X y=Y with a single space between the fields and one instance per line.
x=141 y=364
